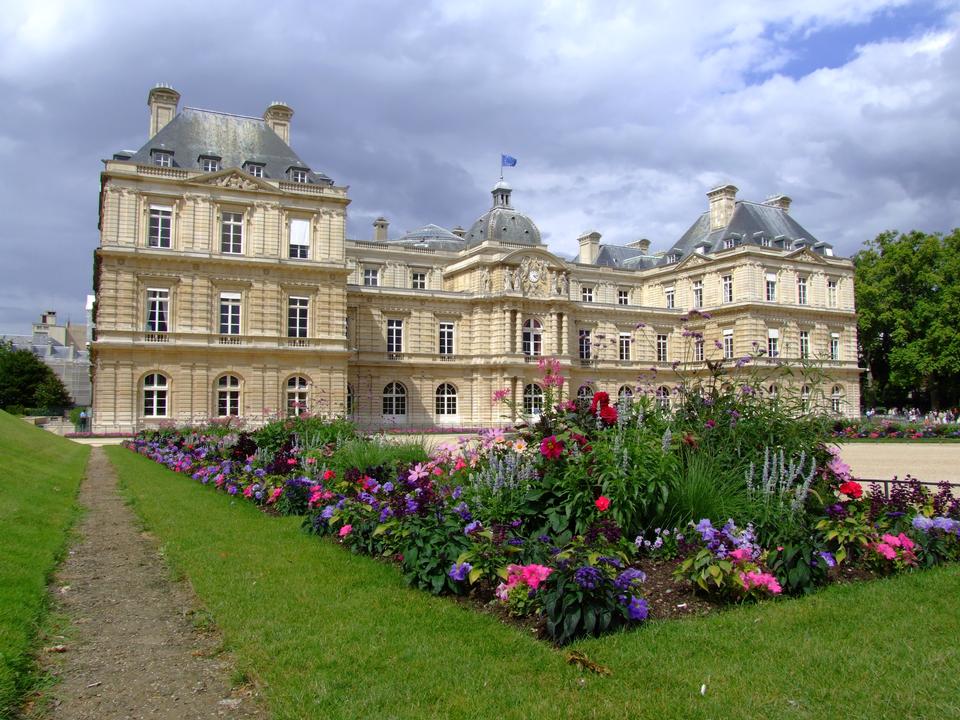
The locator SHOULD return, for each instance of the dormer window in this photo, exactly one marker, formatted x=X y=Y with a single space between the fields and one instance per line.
x=673 y=258
x=209 y=163
x=729 y=243
x=162 y=158
x=298 y=174
x=254 y=168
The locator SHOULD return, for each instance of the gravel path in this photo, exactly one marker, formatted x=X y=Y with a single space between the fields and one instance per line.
x=926 y=461
x=136 y=653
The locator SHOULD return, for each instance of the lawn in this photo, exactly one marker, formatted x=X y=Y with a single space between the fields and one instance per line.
x=39 y=477
x=329 y=634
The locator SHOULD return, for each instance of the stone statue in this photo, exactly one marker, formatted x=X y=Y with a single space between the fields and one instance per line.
x=485 y=280
x=562 y=284
x=507 y=280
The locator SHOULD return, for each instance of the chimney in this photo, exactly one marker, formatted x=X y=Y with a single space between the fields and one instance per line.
x=277 y=117
x=459 y=232
x=781 y=202
x=49 y=317
x=589 y=247
x=722 y=201
x=643 y=245
x=380 y=226
x=162 y=101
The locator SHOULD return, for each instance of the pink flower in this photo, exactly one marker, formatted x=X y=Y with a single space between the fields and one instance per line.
x=888 y=552
x=329 y=475
x=551 y=448
x=891 y=540
x=500 y=395
x=905 y=542
x=345 y=530
x=741 y=555
x=417 y=472
x=274 y=495
x=311 y=461
x=291 y=461
x=755 y=578
x=602 y=503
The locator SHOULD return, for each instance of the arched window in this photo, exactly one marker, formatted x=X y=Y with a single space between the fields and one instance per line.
x=350 y=400
x=805 y=397
x=155 y=395
x=585 y=392
x=532 y=399
x=446 y=399
x=663 y=396
x=625 y=392
x=394 y=399
x=773 y=391
x=297 y=394
x=532 y=337
x=228 y=395
x=836 y=399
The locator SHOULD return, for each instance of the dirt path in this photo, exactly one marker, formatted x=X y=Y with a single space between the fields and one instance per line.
x=136 y=653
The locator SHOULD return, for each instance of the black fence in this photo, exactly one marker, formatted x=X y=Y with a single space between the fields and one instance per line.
x=887 y=484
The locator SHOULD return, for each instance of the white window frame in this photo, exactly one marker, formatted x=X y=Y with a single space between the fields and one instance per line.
x=297 y=396
x=625 y=347
x=231 y=232
x=298 y=316
x=623 y=297
x=446 y=335
x=728 y=344
x=155 y=388
x=531 y=337
x=298 y=175
x=231 y=313
x=445 y=400
x=663 y=347
x=418 y=280
x=804 y=344
x=698 y=349
x=773 y=343
x=163 y=158
x=160 y=227
x=835 y=346
x=371 y=277
x=586 y=293
x=394 y=335
x=299 y=245
x=801 y=290
x=670 y=298
x=255 y=169
x=158 y=310
x=209 y=164
x=698 y=293
x=771 y=288
x=228 y=396
x=394 y=400
x=727 y=284
x=585 y=343
x=532 y=400
x=832 y=293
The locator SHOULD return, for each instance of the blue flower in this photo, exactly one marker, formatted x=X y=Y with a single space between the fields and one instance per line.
x=628 y=579
x=388 y=487
x=588 y=577
x=459 y=572
x=327 y=512
x=828 y=558
x=472 y=528
x=637 y=608
x=922 y=523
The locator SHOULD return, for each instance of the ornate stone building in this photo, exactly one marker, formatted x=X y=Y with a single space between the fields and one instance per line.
x=226 y=286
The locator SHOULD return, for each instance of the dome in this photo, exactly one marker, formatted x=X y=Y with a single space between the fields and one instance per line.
x=503 y=223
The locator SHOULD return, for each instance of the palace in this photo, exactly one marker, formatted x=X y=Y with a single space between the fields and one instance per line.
x=225 y=285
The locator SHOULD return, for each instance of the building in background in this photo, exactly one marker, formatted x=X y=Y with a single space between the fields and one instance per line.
x=63 y=348
x=225 y=286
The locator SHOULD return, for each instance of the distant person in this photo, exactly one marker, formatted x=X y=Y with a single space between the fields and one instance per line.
x=83 y=421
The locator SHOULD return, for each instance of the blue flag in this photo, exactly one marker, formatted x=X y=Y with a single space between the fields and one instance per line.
x=508 y=161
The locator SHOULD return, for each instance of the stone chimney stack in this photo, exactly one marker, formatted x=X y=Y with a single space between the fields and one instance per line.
x=459 y=232
x=589 y=247
x=277 y=117
x=643 y=245
x=781 y=202
x=162 y=101
x=722 y=202
x=380 y=226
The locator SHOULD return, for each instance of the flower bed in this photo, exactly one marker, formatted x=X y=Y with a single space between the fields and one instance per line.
x=889 y=429
x=599 y=516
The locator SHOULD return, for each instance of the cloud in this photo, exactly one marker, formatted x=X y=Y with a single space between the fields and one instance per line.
x=622 y=115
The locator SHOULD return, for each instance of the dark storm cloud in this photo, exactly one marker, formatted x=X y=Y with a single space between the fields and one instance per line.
x=622 y=114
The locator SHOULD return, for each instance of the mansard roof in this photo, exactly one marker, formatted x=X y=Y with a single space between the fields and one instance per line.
x=430 y=236
x=235 y=139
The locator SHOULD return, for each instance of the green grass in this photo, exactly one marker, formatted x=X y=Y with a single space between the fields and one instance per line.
x=39 y=477
x=334 y=635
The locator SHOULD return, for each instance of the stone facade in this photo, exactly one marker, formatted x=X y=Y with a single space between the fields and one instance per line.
x=224 y=290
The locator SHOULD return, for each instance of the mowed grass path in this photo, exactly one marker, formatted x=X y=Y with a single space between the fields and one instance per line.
x=39 y=477
x=334 y=635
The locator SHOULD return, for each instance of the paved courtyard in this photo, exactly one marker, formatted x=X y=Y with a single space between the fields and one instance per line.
x=930 y=462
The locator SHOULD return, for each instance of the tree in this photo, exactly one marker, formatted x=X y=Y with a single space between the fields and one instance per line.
x=908 y=300
x=27 y=382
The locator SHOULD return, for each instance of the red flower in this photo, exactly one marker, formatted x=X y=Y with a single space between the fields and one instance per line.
x=851 y=489
x=551 y=448
x=608 y=414
x=329 y=474
x=601 y=400
x=602 y=503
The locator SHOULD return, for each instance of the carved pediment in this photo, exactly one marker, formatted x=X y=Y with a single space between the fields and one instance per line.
x=806 y=254
x=692 y=260
x=234 y=180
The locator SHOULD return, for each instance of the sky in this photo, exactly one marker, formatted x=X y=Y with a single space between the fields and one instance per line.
x=622 y=115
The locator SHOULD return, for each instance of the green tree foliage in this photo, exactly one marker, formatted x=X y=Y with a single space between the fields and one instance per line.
x=26 y=382
x=908 y=299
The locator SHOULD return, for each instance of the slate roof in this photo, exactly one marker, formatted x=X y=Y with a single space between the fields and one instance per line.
x=235 y=139
x=431 y=236
x=620 y=256
x=44 y=346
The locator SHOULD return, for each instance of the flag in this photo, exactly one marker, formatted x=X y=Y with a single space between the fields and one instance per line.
x=508 y=161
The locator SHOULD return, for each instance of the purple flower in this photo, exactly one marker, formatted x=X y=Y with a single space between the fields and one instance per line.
x=516 y=542
x=463 y=512
x=327 y=512
x=386 y=514
x=637 y=609
x=588 y=577
x=706 y=529
x=459 y=572
x=628 y=579
x=472 y=528
x=388 y=487
x=828 y=558
x=544 y=538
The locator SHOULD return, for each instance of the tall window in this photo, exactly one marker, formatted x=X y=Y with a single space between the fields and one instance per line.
x=834 y=346
x=299 y=239
x=532 y=399
x=698 y=293
x=624 y=346
x=297 y=388
x=584 y=393
x=623 y=297
x=801 y=291
x=297 y=312
x=371 y=277
x=773 y=343
x=804 y=343
x=446 y=399
x=161 y=224
x=698 y=349
x=727 y=282
x=728 y=243
x=625 y=393
x=532 y=337
x=832 y=293
x=661 y=348
x=836 y=399
x=805 y=397
x=669 y=297
x=350 y=399
x=663 y=396
x=158 y=308
x=228 y=395
x=394 y=336
x=585 y=345
x=418 y=280
x=229 y=313
x=728 y=344
x=155 y=395
x=231 y=233
x=586 y=293
x=771 y=287
x=445 y=339
x=395 y=399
